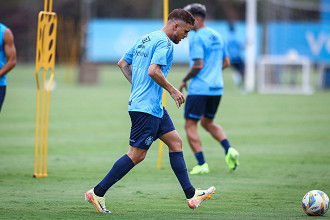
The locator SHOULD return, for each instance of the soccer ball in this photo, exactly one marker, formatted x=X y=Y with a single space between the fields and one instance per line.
x=315 y=202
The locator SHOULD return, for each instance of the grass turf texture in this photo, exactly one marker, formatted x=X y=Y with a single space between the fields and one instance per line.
x=284 y=142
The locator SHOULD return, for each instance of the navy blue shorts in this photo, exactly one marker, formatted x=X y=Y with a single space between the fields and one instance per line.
x=239 y=67
x=198 y=105
x=2 y=95
x=147 y=128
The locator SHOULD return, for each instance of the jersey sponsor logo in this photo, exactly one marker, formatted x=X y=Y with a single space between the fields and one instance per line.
x=140 y=53
x=146 y=39
x=215 y=88
x=141 y=46
x=149 y=140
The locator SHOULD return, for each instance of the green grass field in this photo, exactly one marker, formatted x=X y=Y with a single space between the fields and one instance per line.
x=284 y=142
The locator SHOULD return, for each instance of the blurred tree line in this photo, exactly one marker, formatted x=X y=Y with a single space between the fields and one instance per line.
x=21 y=15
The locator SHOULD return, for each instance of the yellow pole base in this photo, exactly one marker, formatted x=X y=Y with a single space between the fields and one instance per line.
x=40 y=175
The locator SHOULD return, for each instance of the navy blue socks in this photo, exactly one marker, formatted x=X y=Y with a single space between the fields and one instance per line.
x=225 y=144
x=179 y=168
x=200 y=158
x=122 y=166
x=190 y=192
x=125 y=164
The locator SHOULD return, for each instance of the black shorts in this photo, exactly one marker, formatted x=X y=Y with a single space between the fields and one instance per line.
x=198 y=105
x=147 y=128
x=2 y=95
x=239 y=66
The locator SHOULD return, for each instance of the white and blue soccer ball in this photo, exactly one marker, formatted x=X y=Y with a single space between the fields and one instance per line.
x=315 y=202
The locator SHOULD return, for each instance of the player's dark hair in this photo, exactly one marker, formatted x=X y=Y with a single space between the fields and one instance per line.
x=183 y=15
x=196 y=9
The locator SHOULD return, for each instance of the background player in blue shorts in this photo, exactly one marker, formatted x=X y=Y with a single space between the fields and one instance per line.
x=235 y=48
x=146 y=66
x=7 y=58
x=208 y=56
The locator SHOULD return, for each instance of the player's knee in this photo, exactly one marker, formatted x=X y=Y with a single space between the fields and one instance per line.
x=138 y=158
x=137 y=155
x=187 y=125
x=141 y=158
x=190 y=126
x=206 y=124
x=176 y=146
x=179 y=143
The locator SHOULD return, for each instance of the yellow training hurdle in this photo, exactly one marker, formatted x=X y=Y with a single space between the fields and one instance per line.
x=45 y=59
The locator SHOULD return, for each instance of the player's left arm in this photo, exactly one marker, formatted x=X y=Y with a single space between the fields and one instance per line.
x=10 y=52
x=193 y=71
x=126 y=68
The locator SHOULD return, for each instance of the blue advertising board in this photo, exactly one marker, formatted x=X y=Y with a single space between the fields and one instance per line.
x=308 y=39
x=108 y=39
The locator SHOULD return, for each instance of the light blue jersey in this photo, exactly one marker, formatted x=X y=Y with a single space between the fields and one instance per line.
x=146 y=94
x=234 y=48
x=208 y=45
x=3 y=58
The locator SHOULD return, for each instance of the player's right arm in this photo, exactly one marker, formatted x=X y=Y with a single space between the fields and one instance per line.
x=193 y=71
x=126 y=68
x=155 y=72
x=10 y=52
x=225 y=62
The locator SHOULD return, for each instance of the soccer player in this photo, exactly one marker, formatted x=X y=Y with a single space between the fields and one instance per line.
x=146 y=66
x=208 y=56
x=7 y=58
x=235 y=47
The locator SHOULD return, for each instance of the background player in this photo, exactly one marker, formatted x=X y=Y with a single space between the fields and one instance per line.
x=146 y=66
x=7 y=58
x=208 y=56
x=235 y=47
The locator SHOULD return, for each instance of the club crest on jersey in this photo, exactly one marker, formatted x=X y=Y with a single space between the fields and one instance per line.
x=149 y=140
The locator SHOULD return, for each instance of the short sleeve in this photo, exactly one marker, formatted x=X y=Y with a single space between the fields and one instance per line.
x=225 y=51
x=160 y=54
x=128 y=57
x=196 y=48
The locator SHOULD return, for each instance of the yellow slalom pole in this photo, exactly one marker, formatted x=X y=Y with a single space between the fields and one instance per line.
x=37 y=129
x=45 y=60
x=45 y=5
x=165 y=11
x=161 y=143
